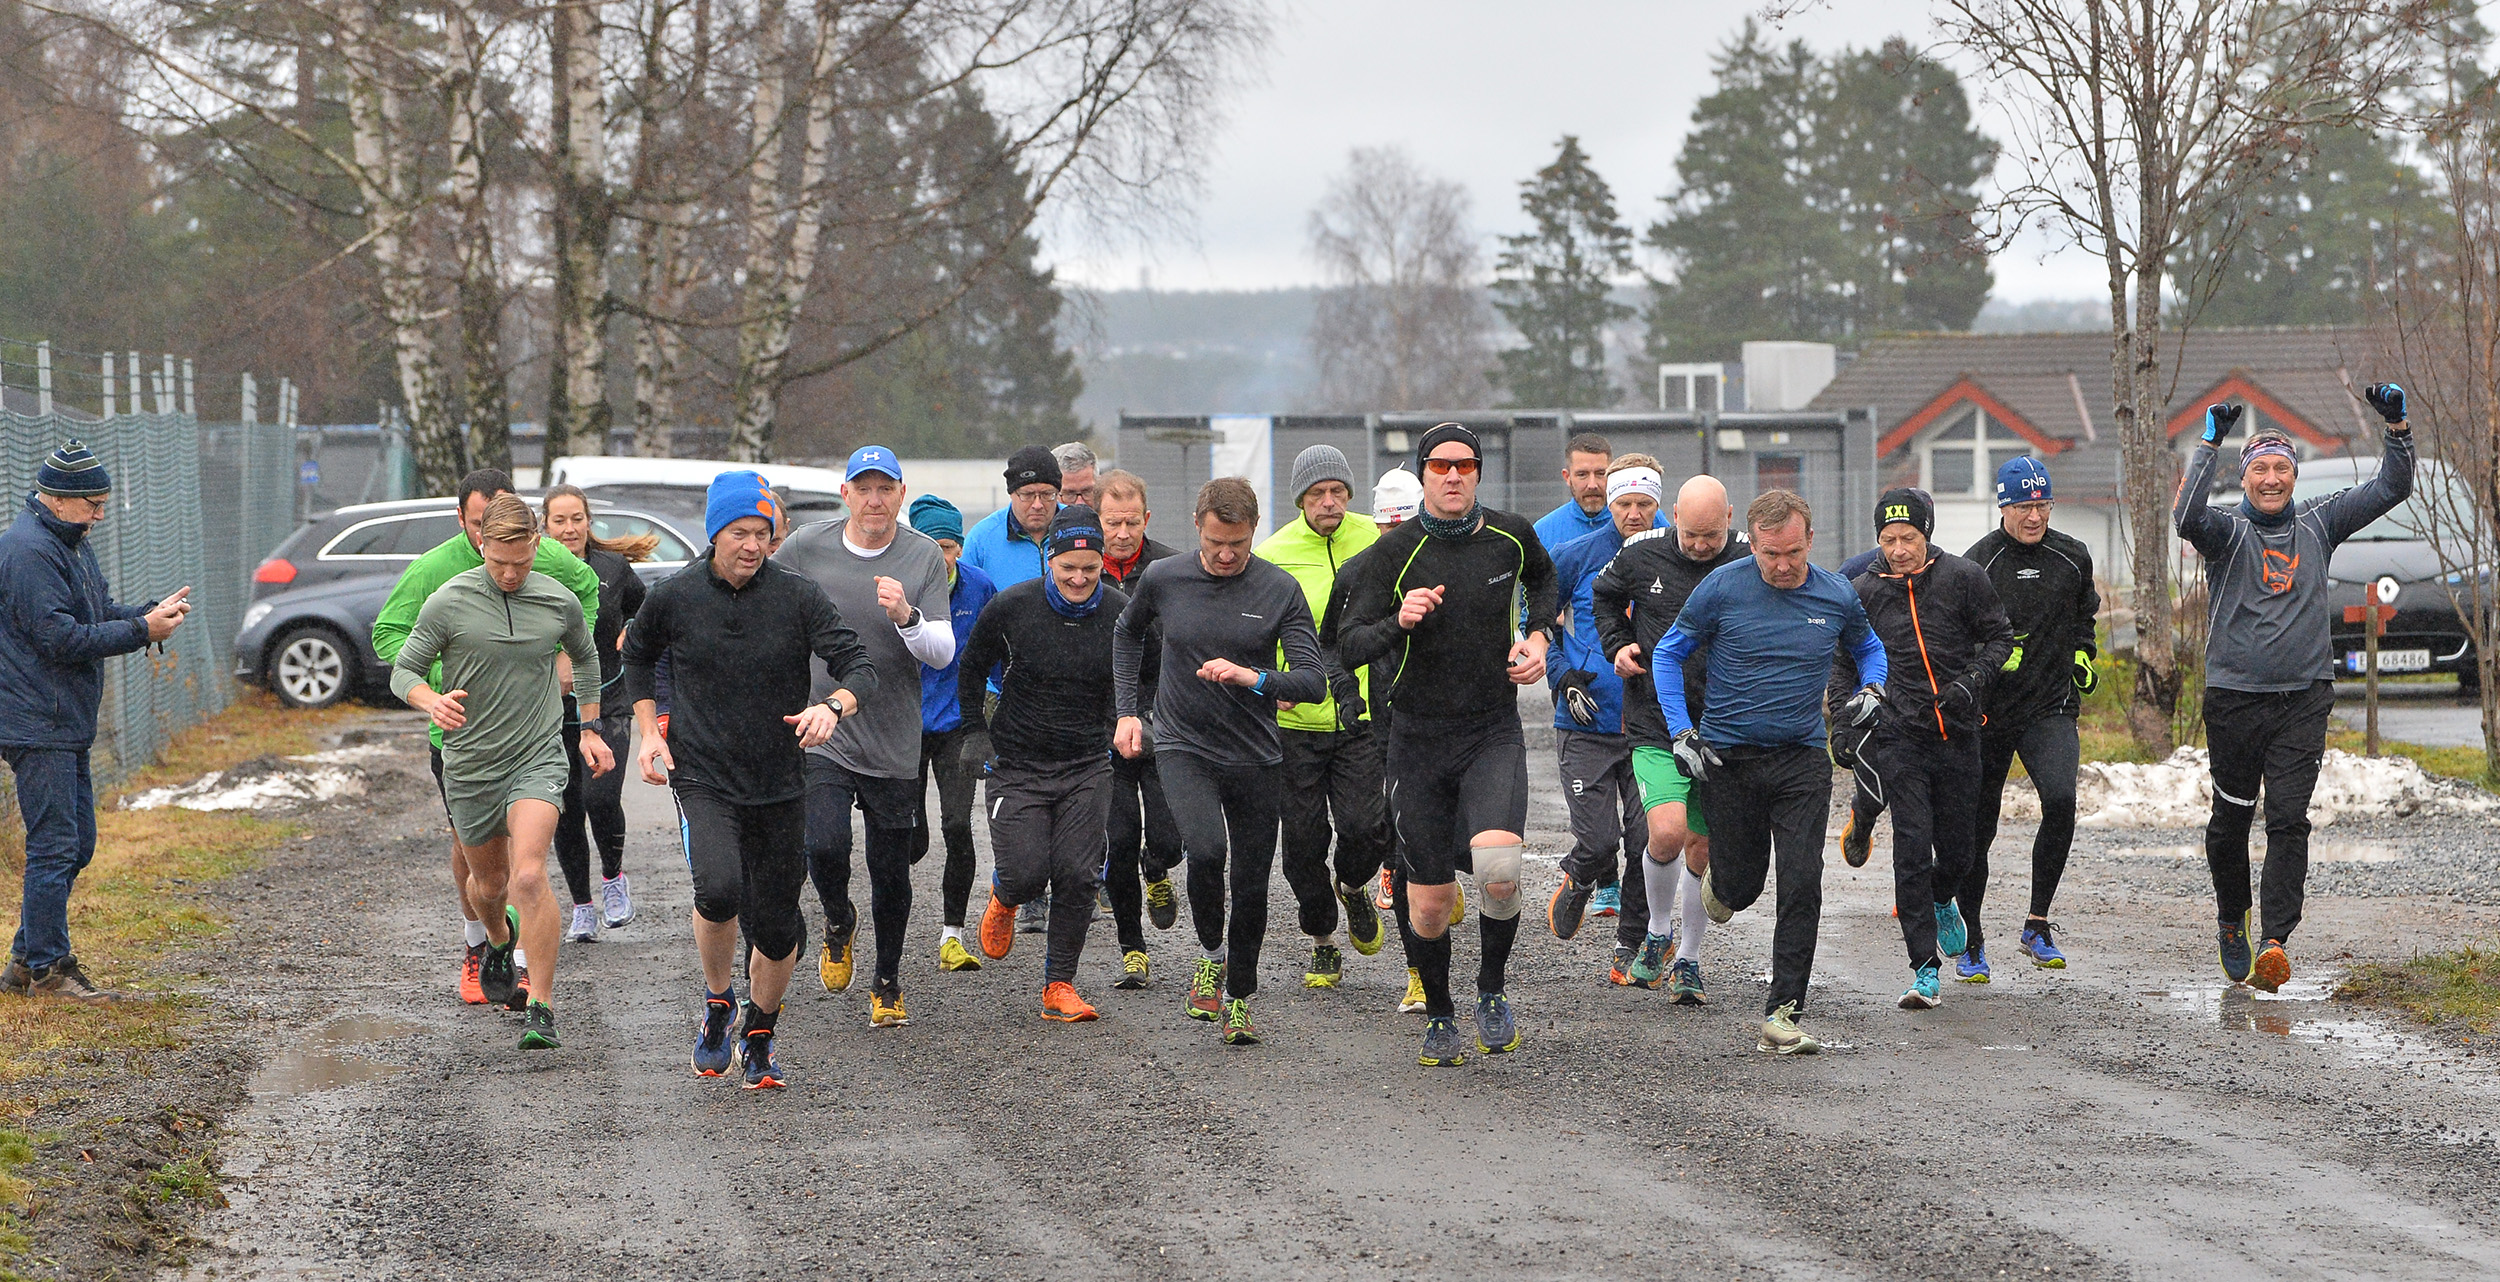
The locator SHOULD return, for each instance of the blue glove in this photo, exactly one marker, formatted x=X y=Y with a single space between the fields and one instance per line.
x=2220 y=419
x=2388 y=399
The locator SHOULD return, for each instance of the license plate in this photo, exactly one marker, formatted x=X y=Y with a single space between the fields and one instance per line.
x=2358 y=661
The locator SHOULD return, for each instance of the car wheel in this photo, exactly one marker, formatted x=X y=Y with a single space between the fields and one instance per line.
x=309 y=667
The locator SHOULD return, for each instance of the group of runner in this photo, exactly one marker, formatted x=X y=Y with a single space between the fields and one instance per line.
x=1349 y=685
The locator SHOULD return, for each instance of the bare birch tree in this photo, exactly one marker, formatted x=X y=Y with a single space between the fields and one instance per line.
x=485 y=395
x=1404 y=324
x=2137 y=126
x=578 y=413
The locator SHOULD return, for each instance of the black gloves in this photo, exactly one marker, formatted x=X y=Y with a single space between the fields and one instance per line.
x=2220 y=418
x=1847 y=743
x=1694 y=756
x=2388 y=399
x=1577 y=700
x=1862 y=707
x=1956 y=698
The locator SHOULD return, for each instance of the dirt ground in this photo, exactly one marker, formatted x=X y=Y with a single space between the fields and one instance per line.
x=2125 y=1117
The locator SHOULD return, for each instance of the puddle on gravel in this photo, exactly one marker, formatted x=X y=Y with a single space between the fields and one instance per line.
x=2301 y=1011
x=318 y=1064
x=2320 y=852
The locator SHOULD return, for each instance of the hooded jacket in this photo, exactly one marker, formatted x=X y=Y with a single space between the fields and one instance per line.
x=1942 y=627
x=1313 y=559
x=1634 y=601
x=58 y=625
x=2049 y=599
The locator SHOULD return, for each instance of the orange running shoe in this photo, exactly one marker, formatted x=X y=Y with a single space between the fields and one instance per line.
x=1386 y=899
x=998 y=927
x=2274 y=968
x=471 y=991
x=1060 y=1002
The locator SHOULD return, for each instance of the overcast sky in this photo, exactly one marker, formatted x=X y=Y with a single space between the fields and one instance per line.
x=1479 y=91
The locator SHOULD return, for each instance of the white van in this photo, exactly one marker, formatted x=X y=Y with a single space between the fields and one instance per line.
x=674 y=487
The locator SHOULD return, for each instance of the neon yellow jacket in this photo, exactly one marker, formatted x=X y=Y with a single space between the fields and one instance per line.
x=1313 y=562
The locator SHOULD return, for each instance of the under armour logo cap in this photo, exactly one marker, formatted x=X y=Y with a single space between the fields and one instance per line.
x=872 y=458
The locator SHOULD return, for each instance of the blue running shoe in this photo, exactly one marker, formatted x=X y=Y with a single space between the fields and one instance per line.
x=1442 y=1047
x=2043 y=949
x=1972 y=967
x=1685 y=988
x=2232 y=950
x=1496 y=1031
x=1952 y=938
x=1607 y=902
x=756 y=1052
x=1651 y=961
x=711 y=1036
x=1926 y=991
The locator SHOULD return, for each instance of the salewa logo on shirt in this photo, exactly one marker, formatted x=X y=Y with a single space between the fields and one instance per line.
x=1260 y=617
x=1499 y=577
x=2277 y=570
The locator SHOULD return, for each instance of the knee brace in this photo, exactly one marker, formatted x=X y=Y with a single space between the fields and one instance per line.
x=1496 y=865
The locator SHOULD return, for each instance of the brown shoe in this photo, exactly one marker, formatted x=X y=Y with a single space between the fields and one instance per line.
x=15 y=979
x=64 y=979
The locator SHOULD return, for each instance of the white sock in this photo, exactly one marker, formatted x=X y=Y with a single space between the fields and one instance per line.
x=1696 y=920
x=1328 y=940
x=473 y=932
x=1660 y=879
x=955 y=933
x=520 y=955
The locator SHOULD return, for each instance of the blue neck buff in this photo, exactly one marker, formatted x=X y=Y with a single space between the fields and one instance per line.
x=1447 y=527
x=1066 y=608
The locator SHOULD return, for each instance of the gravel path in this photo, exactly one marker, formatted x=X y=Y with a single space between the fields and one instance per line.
x=2125 y=1117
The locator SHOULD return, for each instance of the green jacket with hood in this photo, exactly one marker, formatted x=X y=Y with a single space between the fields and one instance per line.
x=1313 y=562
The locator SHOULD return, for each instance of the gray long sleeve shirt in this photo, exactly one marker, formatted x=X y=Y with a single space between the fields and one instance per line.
x=1241 y=617
x=2269 y=624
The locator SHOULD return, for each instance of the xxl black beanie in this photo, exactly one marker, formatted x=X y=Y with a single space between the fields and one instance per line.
x=1906 y=504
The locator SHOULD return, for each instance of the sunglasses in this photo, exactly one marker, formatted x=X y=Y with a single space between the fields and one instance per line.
x=1445 y=466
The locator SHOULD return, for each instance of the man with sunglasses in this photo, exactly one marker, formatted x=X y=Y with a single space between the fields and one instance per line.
x=1461 y=601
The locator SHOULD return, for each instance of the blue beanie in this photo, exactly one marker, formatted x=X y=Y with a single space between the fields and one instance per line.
x=73 y=472
x=737 y=494
x=2022 y=480
x=937 y=518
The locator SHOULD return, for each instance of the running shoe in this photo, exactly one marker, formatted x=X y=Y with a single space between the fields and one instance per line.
x=1564 y=910
x=1650 y=963
x=1135 y=971
x=1060 y=1002
x=1237 y=1029
x=1206 y=990
x=1362 y=921
x=763 y=1070
x=1034 y=917
x=1952 y=937
x=1621 y=974
x=1684 y=983
x=712 y=1051
x=1414 y=999
x=496 y=978
x=1710 y=904
x=1857 y=841
x=2038 y=941
x=520 y=998
x=1458 y=905
x=1386 y=898
x=472 y=989
x=1326 y=968
x=833 y=962
x=1163 y=905
x=2273 y=968
x=952 y=955
x=1781 y=1036
x=998 y=927
x=1972 y=967
x=1442 y=1045
x=585 y=927
x=2234 y=948
x=1496 y=1032
x=885 y=1004
x=1607 y=902
x=538 y=1028
x=616 y=900
x=1925 y=991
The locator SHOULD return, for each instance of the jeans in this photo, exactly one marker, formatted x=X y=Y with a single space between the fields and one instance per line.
x=56 y=798
x=1227 y=813
x=1764 y=803
x=2051 y=754
x=1331 y=772
x=1932 y=786
x=2277 y=739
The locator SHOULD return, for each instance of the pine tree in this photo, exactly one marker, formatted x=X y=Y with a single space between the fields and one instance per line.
x=2322 y=237
x=1820 y=199
x=1552 y=285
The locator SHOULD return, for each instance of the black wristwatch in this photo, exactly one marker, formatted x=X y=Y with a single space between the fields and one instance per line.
x=916 y=619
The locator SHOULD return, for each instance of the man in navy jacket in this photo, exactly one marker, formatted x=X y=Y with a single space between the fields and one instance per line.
x=58 y=625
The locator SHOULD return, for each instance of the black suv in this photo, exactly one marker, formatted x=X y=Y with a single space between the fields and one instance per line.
x=2425 y=635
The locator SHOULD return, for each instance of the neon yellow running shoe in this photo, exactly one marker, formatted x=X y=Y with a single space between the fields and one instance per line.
x=1414 y=1000
x=952 y=955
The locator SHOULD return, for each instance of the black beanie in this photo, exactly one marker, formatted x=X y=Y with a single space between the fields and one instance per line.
x=1441 y=435
x=1032 y=465
x=1906 y=504
x=1074 y=529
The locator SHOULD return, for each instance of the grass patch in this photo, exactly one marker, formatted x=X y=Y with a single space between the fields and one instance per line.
x=187 y=1180
x=2461 y=986
x=2468 y=764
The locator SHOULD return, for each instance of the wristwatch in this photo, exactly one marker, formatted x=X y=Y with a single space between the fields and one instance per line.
x=915 y=620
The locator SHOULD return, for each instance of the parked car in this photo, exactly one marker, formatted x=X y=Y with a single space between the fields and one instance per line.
x=675 y=487
x=2425 y=635
x=308 y=636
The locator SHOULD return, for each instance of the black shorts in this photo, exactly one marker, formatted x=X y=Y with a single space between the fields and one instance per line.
x=1449 y=779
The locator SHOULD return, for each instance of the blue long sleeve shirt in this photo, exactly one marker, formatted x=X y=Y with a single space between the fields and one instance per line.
x=941 y=709
x=1576 y=567
x=999 y=548
x=1568 y=522
x=1770 y=652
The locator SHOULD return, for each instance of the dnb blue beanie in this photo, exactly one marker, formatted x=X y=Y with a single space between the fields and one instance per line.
x=738 y=494
x=2022 y=480
x=73 y=472
x=937 y=518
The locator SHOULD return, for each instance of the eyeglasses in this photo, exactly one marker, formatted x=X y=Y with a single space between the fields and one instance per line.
x=1445 y=466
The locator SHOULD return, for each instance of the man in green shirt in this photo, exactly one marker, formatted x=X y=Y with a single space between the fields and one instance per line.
x=457 y=555
x=491 y=637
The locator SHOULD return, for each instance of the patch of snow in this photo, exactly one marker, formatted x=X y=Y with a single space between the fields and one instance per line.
x=2178 y=792
x=263 y=783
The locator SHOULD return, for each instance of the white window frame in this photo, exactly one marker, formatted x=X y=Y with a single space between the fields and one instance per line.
x=1986 y=435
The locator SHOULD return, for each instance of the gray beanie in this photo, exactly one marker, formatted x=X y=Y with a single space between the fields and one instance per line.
x=1320 y=463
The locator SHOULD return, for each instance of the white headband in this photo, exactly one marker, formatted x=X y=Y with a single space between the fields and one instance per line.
x=1636 y=480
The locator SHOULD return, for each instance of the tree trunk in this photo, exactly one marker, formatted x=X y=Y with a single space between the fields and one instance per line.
x=484 y=392
x=582 y=187
x=2147 y=455
x=382 y=164
x=778 y=270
